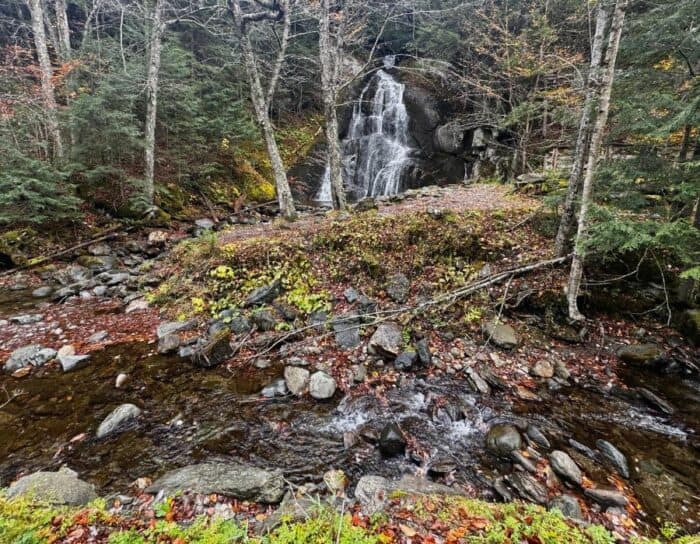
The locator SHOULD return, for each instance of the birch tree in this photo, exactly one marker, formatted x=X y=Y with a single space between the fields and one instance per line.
x=603 y=101
x=567 y=221
x=272 y=11
x=64 y=48
x=36 y=10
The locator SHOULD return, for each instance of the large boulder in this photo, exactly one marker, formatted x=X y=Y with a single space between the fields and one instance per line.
x=118 y=416
x=62 y=488
x=503 y=336
x=33 y=354
x=239 y=481
x=387 y=340
x=502 y=439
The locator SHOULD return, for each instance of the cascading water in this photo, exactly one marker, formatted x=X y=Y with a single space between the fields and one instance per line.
x=375 y=153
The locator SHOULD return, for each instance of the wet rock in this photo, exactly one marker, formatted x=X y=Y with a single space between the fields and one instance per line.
x=527 y=487
x=406 y=360
x=42 y=292
x=240 y=324
x=542 y=369
x=68 y=359
x=500 y=487
x=502 y=439
x=585 y=450
x=97 y=337
x=606 y=497
x=321 y=386
x=351 y=295
x=264 y=320
x=264 y=295
x=347 y=332
x=615 y=456
x=387 y=340
x=442 y=466
x=656 y=401
x=523 y=461
x=239 y=481
x=565 y=467
x=391 y=440
x=120 y=415
x=423 y=351
x=567 y=505
x=296 y=379
x=537 y=436
x=476 y=382
x=33 y=354
x=639 y=354
x=503 y=336
x=278 y=388
x=62 y=488
x=214 y=351
x=26 y=319
x=397 y=288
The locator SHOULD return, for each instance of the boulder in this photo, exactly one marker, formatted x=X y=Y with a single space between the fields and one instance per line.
x=347 y=332
x=296 y=379
x=537 y=436
x=567 y=505
x=61 y=488
x=137 y=305
x=639 y=354
x=234 y=480
x=398 y=287
x=264 y=320
x=615 y=456
x=240 y=324
x=690 y=325
x=387 y=340
x=406 y=360
x=264 y=294
x=121 y=414
x=391 y=440
x=373 y=492
x=423 y=352
x=278 y=388
x=33 y=354
x=503 y=336
x=565 y=467
x=542 y=369
x=214 y=351
x=42 y=292
x=68 y=359
x=606 y=497
x=502 y=439
x=321 y=386
x=174 y=327
x=527 y=487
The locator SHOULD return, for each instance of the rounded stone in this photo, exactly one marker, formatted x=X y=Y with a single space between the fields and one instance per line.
x=502 y=439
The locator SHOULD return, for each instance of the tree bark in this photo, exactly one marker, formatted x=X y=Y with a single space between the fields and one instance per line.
x=592 y=158
x=262 y=100
x=47 y=89
x=63 y=29
x=156 y=39
x=329 y=59
x=566 y=223
x=685 y=144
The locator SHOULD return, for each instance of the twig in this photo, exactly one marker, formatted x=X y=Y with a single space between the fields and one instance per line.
x=500 y=310
x=663 y=281
x=526 y=220
x=11 y=396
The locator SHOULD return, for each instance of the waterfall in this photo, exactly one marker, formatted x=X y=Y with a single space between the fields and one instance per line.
x=375 y=153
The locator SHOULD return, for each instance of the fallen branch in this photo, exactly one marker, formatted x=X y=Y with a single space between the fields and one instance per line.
x=11 y=396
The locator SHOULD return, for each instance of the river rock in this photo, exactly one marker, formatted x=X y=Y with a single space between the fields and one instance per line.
x=373 y=492
x=174 y=327
x=606 y=497
x=565 y=467
x=523 y=461
x=277 y=388
x=42 y=292
x=34 y=355
x=639 y=354
x=68 y=359
x=138 y=305
x=690 y=324
x=656 y=401
x=97 y=262
x=234 y=480
x=537 y=436
x=347 y=332
x=476 y=382
x=117 y=417
x=264 y=295
x=502 y=439
x=62 y=488
x=26 y=319
x=121 y=380
x=321 y=386
x=503 y=336
x=397 y=288
x=336 y=481
x=296 y=379
x=615 y=456
x=423 y=351
x=542 y=369
x=405 y=360
x=391 y=440
x=387 y=340
x=568 y=505
x=214 y=351
x=527 y=487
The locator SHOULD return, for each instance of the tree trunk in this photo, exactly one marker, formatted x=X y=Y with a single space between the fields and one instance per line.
x=328 y=56
x=592 y=158
x=63 y=29
x=685 y=144
x=566 y=223
x=47 y=90
x=262 y=101
x=157 y=31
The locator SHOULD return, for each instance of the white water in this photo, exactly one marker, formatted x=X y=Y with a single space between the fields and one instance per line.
x=375 y=153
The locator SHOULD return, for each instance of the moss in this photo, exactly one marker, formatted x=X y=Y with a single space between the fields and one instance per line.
x=255 y=185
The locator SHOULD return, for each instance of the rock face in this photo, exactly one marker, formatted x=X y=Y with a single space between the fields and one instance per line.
x=296 y=379
x=119 y=415
x=215 y=351
x=565 y=466
x=321 y=386
x=397 y=288
x=615 y=456
x=639 y=354
x=387 y=340
x=33 y=354
x=242 y=482
x=391 y=440
x=62 y=487
x=502 y=439
x=501 y=335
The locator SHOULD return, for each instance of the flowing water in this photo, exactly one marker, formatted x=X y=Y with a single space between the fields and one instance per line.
x=376 y=152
